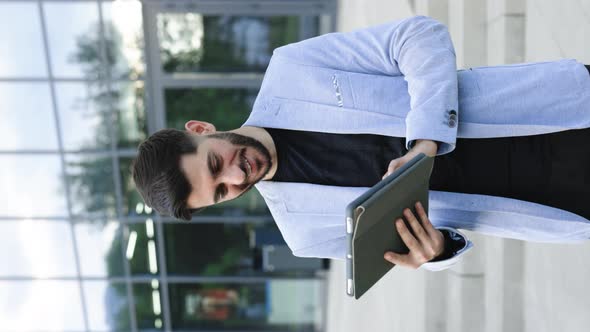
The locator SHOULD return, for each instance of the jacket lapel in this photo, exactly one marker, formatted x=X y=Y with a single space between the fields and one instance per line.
x=308 y=116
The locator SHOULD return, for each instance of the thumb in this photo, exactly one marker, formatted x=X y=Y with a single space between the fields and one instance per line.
x=391 y=167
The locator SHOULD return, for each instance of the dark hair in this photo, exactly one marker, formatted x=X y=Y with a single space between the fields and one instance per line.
x=157 y=174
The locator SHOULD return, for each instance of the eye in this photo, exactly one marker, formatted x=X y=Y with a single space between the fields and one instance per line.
x=215 y=165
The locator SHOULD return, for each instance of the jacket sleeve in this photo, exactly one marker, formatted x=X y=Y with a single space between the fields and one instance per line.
x=456 y=244
x=419 y=48
x=336 y=249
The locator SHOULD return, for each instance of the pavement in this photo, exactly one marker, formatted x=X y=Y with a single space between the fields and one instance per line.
x=501 y=285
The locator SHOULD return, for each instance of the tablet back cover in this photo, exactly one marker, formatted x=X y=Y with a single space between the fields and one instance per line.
x=375 y=232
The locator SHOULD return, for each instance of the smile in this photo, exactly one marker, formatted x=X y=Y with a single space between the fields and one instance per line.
x=248 y=167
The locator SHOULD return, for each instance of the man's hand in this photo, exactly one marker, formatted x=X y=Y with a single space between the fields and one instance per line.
x=426 y=245
x=427 y=147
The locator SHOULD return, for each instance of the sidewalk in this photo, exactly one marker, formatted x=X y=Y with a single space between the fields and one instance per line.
x=502 y=285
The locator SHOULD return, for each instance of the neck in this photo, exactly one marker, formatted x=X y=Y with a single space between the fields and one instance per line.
x=263 y=137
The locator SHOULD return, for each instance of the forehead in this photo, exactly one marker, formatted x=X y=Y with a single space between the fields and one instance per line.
x=194 y=167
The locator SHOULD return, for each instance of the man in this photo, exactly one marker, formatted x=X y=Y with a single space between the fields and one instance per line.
x=330 y=121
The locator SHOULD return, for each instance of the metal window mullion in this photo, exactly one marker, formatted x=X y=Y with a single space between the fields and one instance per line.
x=97 y=153
x=236 y=279
x=142 y=279
x=62 y=160
x=202 y=80
x=60 y=80
x=243 y=7
x=262 y=219
x=115 y=161
x=155 y=93
x=163 y=270
x=230 y=220
x=157 y=109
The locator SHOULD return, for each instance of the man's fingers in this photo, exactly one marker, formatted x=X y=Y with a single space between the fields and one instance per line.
x=436 y=237
x=406 y=236
x=397 y=259
x=417 y=227
x=425 y=220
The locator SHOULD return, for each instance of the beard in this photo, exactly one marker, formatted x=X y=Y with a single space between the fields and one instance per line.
x=248 y=142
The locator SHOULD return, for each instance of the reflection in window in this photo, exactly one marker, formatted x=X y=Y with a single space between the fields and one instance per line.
x=148 y=305
x=141 y=249
x=124 y=34
x=99 y=246
x=73 y=41
x=17 y=108
x=107 y=306
x=133 y=204
x=128 y=101
x=191 y=42
x=84 y=112
x=222 y=249
x=31 y=186
x=22 y=51
x=208 y=249
x=92 y=189
x=36 y=248
x=41 y=305
x=271 y=306
x=227 y=109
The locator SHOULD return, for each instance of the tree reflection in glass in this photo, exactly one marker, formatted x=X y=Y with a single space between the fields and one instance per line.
x=191 y=42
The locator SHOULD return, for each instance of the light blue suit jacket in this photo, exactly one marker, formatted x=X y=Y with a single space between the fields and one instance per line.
x=400 y=79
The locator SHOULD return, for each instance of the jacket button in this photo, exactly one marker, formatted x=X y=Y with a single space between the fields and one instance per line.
x=453 y=117
x=453 y=112
x=452 y=123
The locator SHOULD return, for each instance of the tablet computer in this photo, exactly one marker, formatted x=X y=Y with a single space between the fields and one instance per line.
x=370 y=222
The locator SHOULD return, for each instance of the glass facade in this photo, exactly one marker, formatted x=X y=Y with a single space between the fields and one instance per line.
x=82 y=83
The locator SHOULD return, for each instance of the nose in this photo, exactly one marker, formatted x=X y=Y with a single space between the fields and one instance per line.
x=232 y=175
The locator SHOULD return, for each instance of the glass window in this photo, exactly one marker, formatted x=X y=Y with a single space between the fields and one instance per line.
x=41 y=305
x=191 y=42
x=133 y=204
x=208 y=249
x=85 y=115
x=36 y=248
x=32 y=186
x=107 y=306
x=17 y=108
x=270 y=306
x=227 y=109
x=141 y=248
x=99 y=246
x=74 y=42
x=128 y=100
x=92 y=189
x=148 y=305
x=124 y=33
x=221 y=249
x=22 y=51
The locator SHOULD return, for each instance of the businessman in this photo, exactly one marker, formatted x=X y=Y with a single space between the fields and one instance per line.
x=338 y=112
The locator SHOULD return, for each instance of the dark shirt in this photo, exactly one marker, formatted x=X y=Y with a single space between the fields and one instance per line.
x=352 y=160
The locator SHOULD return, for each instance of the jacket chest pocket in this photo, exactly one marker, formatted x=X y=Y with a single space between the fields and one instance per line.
x=337 y=90
x=317 y=85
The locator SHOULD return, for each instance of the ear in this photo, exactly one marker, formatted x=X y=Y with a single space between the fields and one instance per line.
x=199 y=127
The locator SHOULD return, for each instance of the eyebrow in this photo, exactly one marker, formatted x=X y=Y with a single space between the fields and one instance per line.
x=210 y=158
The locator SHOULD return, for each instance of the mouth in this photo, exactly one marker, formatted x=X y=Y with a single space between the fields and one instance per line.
x=247 y=166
